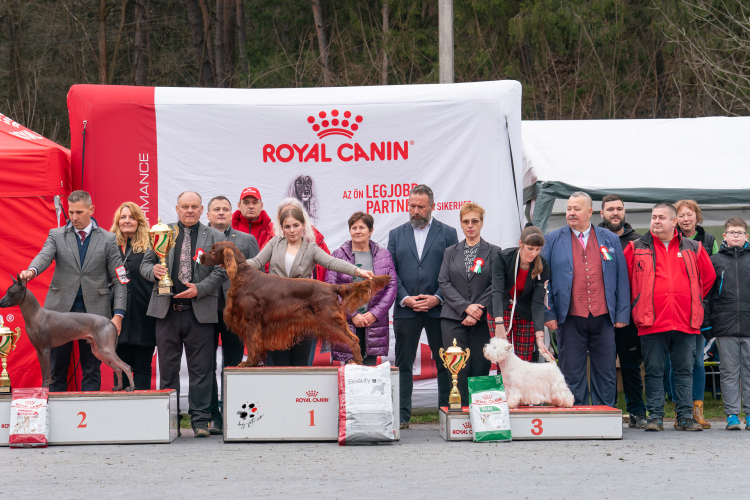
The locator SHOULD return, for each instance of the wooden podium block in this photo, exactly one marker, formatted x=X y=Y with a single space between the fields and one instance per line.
x=287 y=403
x=543 y=422
x=105 y=417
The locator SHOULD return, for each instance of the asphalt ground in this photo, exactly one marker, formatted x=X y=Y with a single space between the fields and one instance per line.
x=668 y=464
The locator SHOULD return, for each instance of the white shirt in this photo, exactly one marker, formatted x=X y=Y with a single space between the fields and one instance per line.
x=86 y=230
x=585 y=235
x=420 y=237
x=288 y=261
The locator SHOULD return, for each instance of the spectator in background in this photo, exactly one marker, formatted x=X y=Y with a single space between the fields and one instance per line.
x=689 y=216
x=588 y=298
x=86 y=261
x=728 y=319
x=232 y=349
x=466 y=284
x=251 y=218
x=370 y=323
x=417 y=248
x=626 y=338
x=520 y=277
x=669 y=277
x=135 y=345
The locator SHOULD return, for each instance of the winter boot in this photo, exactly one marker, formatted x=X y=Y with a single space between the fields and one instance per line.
x=698 y=414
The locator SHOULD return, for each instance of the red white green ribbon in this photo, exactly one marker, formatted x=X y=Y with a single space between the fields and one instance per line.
x=477 y=265
x=605 y=253
x=198 y=254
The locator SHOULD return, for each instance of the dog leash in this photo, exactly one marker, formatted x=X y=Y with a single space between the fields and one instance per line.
x=513 y=306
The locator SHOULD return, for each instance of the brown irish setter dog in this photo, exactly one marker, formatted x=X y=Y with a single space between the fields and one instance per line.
x=270 y=313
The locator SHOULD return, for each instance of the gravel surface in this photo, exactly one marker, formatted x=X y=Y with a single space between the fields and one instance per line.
x=667 y=464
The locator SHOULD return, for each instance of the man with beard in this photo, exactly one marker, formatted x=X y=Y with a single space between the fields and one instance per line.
x=589 y=295
x=417 y=249
x=626 y=339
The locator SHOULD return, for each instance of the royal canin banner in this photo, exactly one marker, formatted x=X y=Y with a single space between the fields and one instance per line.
x=338 y=150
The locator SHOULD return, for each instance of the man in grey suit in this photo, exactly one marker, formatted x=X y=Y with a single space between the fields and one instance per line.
x=86 y=262
x=232 y=349
x=417 y=250
x=187 y=319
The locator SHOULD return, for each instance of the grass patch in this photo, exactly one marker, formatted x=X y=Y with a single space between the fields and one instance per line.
x=425 y=418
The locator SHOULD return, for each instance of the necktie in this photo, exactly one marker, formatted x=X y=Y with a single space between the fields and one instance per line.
x=580 y=238
x=83 y=235
x=183 y=273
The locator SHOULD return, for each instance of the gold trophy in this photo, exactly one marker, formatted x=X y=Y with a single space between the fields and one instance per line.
x=454 y=358
x=8 y=341
x=162 y=239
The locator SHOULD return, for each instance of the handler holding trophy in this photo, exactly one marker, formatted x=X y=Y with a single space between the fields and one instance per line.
x=162 y=239
x=8 y=341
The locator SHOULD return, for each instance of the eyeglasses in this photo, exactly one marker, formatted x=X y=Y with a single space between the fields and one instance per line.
x=466 y=222
x=736 y=233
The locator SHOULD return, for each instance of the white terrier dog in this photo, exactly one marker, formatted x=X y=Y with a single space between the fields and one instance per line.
x=528 y=383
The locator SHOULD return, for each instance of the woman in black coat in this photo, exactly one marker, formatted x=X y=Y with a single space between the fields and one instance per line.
x=137 y=339
x=520 y=276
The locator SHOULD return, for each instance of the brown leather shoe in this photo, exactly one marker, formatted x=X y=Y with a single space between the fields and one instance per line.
x=698 y=414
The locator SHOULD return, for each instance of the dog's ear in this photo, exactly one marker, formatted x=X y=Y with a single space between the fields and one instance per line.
x=509 y=347
x=14 y=279
x=229 y=263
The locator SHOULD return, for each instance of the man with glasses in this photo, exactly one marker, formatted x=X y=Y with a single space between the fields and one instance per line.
x=187 y=319
x=728 y=319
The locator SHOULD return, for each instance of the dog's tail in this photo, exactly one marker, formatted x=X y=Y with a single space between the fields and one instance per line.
x=355 y=295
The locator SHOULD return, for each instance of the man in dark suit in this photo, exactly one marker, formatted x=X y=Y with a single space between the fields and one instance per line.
x=589 y=297
x=232 y=349
x=417 y=249
x=86 y=262
x=187 y=318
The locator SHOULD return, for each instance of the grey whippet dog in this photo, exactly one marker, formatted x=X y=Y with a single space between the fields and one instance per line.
x=47 y=329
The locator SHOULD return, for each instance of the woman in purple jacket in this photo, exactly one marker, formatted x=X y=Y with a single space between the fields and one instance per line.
x=369 y=323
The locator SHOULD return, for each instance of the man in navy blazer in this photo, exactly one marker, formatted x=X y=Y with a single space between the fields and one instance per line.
x=417 y=249
x=589 y=296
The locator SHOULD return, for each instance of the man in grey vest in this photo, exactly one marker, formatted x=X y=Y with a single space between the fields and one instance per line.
x=86 y=260
x=187 y=319
x=232 y=349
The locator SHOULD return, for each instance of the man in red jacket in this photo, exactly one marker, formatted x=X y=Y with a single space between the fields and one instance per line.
x=251 y=218
x=669 y=277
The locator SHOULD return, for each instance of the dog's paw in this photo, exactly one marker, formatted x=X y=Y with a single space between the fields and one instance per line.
x=117 y=389
x=244 y=364
x=129 y=388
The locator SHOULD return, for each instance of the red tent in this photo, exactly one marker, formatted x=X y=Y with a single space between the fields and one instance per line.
x=34 y=170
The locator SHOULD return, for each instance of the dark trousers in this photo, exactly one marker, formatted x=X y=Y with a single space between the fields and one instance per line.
x=232 y=351
x=680 y=347
x=407 y=332
x=139 y=358
x=90 y=365
x=297 y=355
x=362 y=336
x=631 y=356
x=593 y=335
x=176 y=330
x=473 y=338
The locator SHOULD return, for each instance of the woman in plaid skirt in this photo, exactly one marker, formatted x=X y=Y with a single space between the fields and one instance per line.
x=519 y=278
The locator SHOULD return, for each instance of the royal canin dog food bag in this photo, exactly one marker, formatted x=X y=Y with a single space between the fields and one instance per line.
x=365 y=404
x=29 y=418
x=488 y=411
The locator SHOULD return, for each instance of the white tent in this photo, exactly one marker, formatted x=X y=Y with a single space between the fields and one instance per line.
x=647 y=161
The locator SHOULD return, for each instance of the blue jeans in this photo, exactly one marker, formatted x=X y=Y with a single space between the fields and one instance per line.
x=680 y=347
x=699 y=372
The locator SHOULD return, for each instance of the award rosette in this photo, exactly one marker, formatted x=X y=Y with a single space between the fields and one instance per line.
x=162 y=239
x=454 y=359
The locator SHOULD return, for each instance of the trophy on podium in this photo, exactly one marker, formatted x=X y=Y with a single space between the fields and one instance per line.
x=8 y=341
x=454 y=358
x=162 y=239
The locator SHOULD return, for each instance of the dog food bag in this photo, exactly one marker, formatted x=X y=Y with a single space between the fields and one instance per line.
x=29 y=418
x=488 y=411
x=365 y=404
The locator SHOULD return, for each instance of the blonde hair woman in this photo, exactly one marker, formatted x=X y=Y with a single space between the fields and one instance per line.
x=137 y=338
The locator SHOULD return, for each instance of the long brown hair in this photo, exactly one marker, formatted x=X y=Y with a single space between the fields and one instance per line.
x=139 y=243
x=533 y=237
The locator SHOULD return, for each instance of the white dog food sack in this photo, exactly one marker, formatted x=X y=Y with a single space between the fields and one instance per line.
x=488 y=411
x=29 y=418
x=365 y=404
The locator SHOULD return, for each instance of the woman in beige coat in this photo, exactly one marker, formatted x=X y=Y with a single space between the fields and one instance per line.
x=294 y=255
